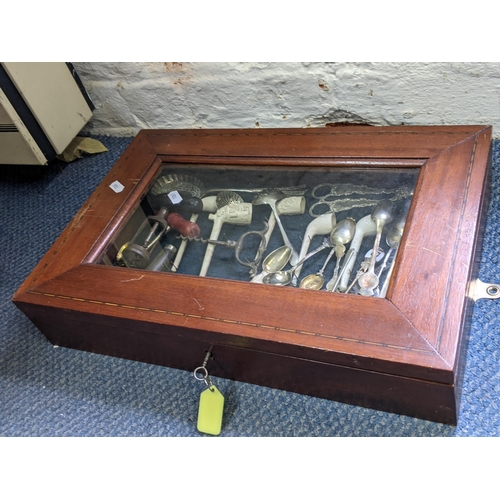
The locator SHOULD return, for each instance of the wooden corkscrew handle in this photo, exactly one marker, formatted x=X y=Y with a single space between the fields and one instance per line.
x=185 y=227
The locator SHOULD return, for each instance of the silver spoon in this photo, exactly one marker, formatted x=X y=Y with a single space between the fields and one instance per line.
x=315 y=281
x=342 y=236
x=393 y=243
x=274 y=262
x=271 y=197
x=392 y=239
x=283 y=278
x=342 y=233
x=349 y=256
x=381 y=215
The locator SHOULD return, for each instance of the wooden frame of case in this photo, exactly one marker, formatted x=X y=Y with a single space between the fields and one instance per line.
x=402 y=354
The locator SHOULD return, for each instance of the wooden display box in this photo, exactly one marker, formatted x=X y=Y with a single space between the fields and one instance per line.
x=403 y=353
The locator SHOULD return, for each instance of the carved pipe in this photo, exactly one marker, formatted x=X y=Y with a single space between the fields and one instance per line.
x=235 y=213
x=323 y=224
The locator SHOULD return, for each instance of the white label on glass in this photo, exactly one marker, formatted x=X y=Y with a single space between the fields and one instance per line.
x=175 y=197
x=117 y=186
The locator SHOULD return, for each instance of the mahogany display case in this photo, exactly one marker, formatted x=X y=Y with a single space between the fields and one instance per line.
x=400 y=348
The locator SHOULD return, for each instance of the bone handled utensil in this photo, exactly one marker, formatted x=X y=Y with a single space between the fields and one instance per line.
x=232 y=210
x=364 y=227
x=321 y=225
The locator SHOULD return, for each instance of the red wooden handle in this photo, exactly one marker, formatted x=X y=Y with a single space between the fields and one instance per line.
x=185 y=227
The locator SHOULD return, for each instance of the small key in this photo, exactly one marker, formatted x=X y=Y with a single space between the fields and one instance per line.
x=480 y=290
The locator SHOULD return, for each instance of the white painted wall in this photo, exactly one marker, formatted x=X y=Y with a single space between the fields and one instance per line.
x=133 y=96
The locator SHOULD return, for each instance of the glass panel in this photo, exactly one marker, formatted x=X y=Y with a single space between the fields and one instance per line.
x=312 y=228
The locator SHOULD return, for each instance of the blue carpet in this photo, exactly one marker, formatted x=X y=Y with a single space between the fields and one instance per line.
x=49 y=391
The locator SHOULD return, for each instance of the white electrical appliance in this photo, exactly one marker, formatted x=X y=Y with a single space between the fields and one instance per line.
x=43 y=107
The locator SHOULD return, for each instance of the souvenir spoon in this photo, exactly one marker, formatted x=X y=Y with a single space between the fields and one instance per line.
x=342 y=235
x=283 y=278
x=349 y=256
x=316 y=281
x=393 y=241
x=385 y=286
x=364 y=227
x=274 y=262
x=381 y=215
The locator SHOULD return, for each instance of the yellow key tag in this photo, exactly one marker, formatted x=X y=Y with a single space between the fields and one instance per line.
x=210 y=411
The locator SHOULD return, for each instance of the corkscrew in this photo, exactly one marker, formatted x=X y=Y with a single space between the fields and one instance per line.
x=238 y=246
x=138 y=251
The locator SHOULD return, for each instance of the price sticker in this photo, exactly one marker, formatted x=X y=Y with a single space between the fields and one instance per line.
x=117 y=186
x=175 y=197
